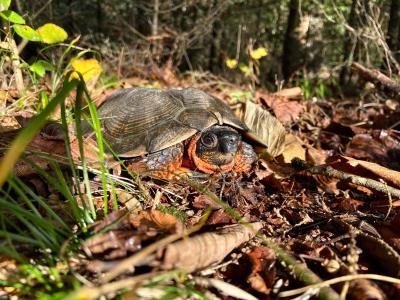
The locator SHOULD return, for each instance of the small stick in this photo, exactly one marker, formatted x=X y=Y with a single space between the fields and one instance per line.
x=328 y=171
x=378 y=78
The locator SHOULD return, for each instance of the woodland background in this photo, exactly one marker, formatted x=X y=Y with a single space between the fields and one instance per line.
x=322 y=209
x=308 y=43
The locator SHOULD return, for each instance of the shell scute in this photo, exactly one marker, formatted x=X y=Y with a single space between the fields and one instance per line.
x=141 y=120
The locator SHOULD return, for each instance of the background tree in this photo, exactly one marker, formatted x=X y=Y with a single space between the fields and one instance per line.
x=307 y=41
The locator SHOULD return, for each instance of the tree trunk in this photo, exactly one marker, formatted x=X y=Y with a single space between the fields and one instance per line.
x=215 y=48
x=393 y=37
x=348 y=45
x=100 y=17
x=291 y=43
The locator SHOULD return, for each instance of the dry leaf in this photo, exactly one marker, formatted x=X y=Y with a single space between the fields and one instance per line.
x=264 y=128
x=363 y=289
x=379 y=146
x=290 y=93
x=203 y=201
x=293 y=148
x=208 y=248
x=157 y=219
x=220 y=217
x=285 y=110
x=262 y=274
x=121 y=242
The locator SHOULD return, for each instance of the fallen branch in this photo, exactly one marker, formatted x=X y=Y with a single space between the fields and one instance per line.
x=379 y=79
x=328 y=171
x=301 y=272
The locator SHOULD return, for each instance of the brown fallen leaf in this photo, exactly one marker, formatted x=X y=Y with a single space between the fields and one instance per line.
x=264 y=128
x=290 y=93
x=156 y=219
x=220 y=217
x=379 y=146
x=208 y=248
x=203 y=201
x=263 y=272
x=285 y=110
x=316 y=156
x=114 y=219
x=363 y=289
x=118 y=242
x=293 y=147
x=51 y=145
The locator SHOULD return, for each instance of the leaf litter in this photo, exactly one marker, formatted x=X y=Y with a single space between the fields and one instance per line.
x=341 y=220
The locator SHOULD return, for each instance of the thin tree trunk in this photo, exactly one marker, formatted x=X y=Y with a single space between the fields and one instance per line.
x=100 y=17
x=393 y=37
x=290 y=44
x=154 y=26
x=215 y=48
x=348 y=46
x=156 y=51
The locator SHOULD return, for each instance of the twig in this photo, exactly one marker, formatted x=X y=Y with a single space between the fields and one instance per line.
x=302 y=272
x=16 y=64
x=96 y=292
x=389 y=199
x=338 y=280
x=328 y=171
x=378 y=78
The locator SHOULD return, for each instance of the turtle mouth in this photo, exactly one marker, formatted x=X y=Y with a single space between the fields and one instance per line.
x=216 y=158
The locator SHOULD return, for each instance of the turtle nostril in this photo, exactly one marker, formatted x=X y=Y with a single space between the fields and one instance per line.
x=229 y=145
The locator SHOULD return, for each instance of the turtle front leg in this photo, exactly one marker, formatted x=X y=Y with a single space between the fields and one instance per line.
x=163 y=164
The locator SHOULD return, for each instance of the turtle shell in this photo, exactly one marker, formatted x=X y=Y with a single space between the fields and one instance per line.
x=137 y=121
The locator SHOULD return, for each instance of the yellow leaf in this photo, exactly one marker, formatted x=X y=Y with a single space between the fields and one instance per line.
x=258 y=53
x=89 y=68
x=52 y=33
x=245 y=69
x=231 y=63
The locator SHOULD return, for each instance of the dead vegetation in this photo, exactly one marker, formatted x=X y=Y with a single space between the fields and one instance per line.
x=322 y=214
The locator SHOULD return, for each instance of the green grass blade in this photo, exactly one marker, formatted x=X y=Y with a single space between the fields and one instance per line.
x=28 y=133
x=79 y=136
x=100 y=144
x=51 y=213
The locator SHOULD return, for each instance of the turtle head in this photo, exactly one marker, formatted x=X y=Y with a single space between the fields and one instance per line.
x=214 y=149
x=218 y=145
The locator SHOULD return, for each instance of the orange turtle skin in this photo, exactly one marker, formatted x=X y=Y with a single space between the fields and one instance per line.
x=167 y=163
x=161 y=164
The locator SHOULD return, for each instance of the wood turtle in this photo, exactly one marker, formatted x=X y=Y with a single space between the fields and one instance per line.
x=162 y=131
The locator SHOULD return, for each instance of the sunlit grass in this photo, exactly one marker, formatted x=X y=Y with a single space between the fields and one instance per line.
x=42 y=227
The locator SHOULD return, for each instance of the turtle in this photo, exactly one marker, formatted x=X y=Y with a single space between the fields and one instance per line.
x=163 y=131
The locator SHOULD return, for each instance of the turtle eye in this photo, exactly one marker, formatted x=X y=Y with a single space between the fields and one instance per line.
x=209 y=140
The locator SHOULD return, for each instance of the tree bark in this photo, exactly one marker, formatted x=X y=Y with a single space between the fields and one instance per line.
x=215 y=48
x=393 y=37
x=100 y=16
x=348 y=46
x=291 y=43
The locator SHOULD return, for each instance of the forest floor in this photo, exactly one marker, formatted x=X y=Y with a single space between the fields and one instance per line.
x=323 y=215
